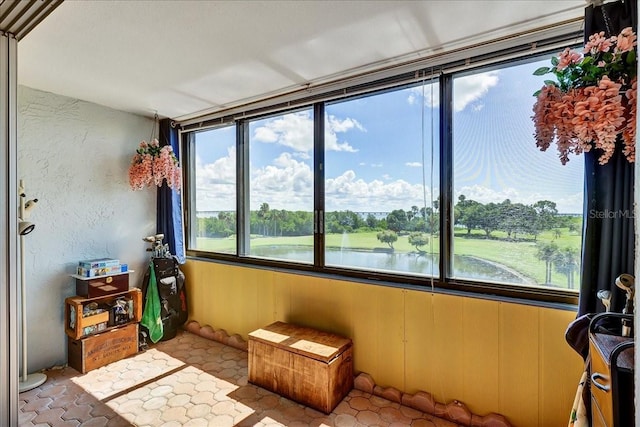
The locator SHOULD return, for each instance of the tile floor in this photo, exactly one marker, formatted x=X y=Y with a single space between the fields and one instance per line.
x=192 y=381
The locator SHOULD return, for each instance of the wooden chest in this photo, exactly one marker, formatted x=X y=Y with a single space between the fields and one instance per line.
x=311 y=367
x=99 y=350
x=91 y=287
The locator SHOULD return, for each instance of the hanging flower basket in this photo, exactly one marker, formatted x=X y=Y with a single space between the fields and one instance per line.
x=594 y=100
x=152 y=164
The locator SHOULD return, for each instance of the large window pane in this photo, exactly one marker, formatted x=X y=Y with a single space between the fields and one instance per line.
x=281 y=187
x=518 y=211
x=215 y=191
x=381 y=182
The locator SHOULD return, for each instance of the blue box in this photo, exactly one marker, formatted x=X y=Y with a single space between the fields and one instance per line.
x=99 y=263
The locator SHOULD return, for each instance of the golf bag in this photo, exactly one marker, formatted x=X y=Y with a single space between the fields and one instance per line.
x=172 y=293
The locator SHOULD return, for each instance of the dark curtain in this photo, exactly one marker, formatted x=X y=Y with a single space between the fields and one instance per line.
x=169 y=204
x=608 y=233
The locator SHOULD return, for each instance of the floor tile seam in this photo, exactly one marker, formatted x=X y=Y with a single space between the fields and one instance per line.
x=143 y=383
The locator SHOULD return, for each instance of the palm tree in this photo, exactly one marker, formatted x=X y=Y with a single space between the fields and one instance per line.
x=264 y=215
x=278 y=216
x=546 y=252
x=566 y=262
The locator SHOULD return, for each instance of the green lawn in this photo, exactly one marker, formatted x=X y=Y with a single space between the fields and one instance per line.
x=517 y=255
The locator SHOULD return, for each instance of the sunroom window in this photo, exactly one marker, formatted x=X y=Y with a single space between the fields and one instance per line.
x=214 y=221
x=381 y=182
x=281 y=187
x=429 y=178
x=517 y=210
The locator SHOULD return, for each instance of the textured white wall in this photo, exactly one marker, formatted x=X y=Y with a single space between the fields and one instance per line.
x=74 y=157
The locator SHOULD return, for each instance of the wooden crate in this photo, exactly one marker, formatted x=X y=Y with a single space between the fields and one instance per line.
x=311 y=367
x=75 y=322
x=99 y=350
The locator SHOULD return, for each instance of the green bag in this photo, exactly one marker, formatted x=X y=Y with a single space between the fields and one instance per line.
x=151 y=318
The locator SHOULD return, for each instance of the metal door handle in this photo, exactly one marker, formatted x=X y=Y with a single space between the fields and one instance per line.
x=598 y=376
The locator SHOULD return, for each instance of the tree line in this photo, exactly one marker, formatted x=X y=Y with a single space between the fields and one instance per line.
x=279 y=222
x=515 y=219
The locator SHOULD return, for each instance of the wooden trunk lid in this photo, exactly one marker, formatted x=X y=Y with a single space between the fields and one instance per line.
x=318 y=345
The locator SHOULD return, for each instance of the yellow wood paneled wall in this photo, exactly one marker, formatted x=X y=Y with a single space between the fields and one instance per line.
x=493 y=356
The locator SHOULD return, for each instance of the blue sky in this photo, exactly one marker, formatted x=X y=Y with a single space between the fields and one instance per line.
x=376 y=147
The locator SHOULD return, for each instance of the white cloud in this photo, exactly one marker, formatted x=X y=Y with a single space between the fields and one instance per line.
x=413 y=164
x=304 y=156
x=295 y=131
x=338 y=125
x=349 y=192
x=472 y=88
x=285 y=184
x=431 y=97
x=483 y=194
x=467 y=90
x=333 y=126
x=216 y=183
x=265 y=134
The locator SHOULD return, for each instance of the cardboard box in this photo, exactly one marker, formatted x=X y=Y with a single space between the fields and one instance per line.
x=99 y=350
x=99 y=263
x=102 y=271
x=311 y=367
x=91 y=287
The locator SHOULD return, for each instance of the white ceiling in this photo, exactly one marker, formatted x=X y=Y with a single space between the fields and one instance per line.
x=184 y=58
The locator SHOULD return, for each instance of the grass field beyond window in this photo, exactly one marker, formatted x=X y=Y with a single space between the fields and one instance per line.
x=517 y=255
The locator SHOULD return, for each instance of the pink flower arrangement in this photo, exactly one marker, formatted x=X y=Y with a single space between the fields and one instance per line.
x=152 y=164
x=594 y=100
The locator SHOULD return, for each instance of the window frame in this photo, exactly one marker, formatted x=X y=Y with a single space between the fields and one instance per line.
x=444 y=282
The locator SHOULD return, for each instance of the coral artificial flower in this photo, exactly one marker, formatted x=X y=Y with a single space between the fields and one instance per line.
x=152 y=165
x=593 y=103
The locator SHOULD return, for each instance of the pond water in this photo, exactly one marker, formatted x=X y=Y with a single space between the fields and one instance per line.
x=471 y=268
